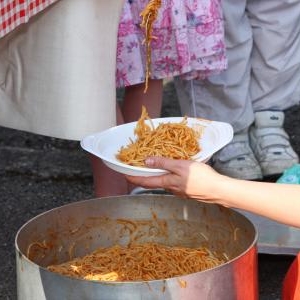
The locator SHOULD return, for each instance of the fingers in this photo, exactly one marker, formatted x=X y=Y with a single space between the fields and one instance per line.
x=164 y=163
x=171 y=165
x=174 y=179
x=147 y=182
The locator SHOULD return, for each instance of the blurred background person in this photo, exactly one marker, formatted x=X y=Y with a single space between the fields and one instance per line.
x=262 y=80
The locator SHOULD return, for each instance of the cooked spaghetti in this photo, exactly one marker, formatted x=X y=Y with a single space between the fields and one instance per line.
x=140 y=262
x=149 y=15
x=172 y=140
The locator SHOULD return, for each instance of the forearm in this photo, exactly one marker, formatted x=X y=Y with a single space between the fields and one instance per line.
x=280 y=202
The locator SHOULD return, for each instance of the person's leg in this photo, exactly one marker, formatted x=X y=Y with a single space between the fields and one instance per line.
x=275 y=59
x=225 y=97
x=106 y=181
x=275 y=80
x=135 y=98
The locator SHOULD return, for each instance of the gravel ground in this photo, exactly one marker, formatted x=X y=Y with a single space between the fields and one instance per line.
x=39 y=173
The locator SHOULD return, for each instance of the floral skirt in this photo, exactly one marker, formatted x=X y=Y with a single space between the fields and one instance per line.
x=189 y=41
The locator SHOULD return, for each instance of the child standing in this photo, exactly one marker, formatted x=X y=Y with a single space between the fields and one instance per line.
x=188 y=40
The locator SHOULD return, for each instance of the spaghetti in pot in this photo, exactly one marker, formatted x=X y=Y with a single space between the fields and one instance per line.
x=139 y=262
x=172 y=140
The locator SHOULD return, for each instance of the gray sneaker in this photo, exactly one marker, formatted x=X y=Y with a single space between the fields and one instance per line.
x=270 y=143
x=237 y=159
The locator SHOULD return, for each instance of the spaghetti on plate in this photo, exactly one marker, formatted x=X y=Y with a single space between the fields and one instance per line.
x=172 y=140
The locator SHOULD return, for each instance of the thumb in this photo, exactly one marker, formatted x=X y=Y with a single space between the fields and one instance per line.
x=159 y=162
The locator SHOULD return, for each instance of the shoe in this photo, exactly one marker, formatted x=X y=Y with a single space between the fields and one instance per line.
x=270 y=143
x=237 y=159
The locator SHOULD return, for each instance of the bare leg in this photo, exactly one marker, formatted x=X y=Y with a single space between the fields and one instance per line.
x=106 y=181
x=135 y=97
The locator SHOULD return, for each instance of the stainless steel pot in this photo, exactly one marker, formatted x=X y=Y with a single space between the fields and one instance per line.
x=78 y=228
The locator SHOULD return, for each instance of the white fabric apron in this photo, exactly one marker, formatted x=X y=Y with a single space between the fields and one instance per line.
x=57 y=72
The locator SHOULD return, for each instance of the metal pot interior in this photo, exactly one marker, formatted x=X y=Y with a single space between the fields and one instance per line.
x=79 y=228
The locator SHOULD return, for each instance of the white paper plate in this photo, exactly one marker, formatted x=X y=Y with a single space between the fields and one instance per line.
x=106 y=144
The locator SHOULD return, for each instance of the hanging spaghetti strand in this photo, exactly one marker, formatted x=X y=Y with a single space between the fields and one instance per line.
x=149 y=15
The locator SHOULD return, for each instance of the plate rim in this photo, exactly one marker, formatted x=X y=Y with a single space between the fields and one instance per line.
x=149 y=171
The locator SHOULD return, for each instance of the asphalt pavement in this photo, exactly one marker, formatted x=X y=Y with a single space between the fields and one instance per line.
x=38 y=173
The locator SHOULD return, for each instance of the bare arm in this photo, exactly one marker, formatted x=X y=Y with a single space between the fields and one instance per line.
x=280 y=202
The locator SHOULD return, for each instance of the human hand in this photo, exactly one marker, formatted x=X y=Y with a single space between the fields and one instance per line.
x=185 y=178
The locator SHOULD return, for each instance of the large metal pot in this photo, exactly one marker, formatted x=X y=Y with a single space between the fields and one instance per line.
x=78 y=228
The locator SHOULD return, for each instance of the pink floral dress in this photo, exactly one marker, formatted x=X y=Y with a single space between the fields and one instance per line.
x=189 y=41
